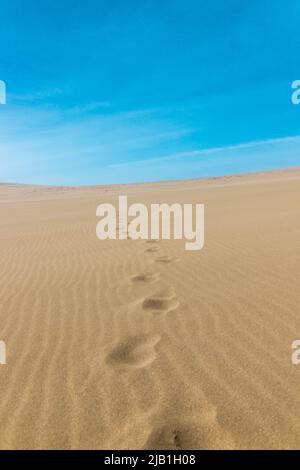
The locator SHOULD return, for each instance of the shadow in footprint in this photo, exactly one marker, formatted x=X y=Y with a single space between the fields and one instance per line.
x=172 y=437
x=162 y=302
x=195 y=429
x=146 y=278
x=166 y=259
x=184 y=435
x=134 y=352
x=153 y=249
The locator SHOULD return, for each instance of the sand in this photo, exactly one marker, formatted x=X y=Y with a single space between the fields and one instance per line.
x=132 y=344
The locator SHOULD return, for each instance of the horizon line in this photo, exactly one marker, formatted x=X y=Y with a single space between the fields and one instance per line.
x=201 y=178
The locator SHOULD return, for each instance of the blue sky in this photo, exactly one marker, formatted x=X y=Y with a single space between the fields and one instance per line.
x=119 y=91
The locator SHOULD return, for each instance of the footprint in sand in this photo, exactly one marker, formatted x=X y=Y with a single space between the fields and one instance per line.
x=146 y=278
x=162 y=302
x=134 y=352
x=152 y=249
x=166 y=259
x=184 y=434
x=188 y=421
x=173 y=436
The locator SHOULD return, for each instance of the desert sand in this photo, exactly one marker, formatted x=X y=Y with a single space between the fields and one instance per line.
x=123 y=344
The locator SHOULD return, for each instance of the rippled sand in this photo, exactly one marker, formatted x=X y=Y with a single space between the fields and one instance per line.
x=132 y=344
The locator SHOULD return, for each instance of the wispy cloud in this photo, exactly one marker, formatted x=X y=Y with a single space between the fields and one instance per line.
x=88 y=107
x=92 y=145
x=37 y=95
x=258 y=145
x=48 y=144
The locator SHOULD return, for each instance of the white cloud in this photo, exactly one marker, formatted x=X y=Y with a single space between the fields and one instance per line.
x=258 y=144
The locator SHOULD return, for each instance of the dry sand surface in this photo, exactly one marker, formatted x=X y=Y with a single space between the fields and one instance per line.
x=135 y=344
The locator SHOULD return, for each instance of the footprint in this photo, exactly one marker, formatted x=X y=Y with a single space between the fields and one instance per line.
x=189 y=421
x=152 y=249
x=134 y=352
x=162 y=302
x=147 y=277
x=181 y=434
x=166 y=259
x=152 y=241
x=171 y=437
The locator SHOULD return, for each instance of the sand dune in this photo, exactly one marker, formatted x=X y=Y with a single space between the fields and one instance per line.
x=142 y=344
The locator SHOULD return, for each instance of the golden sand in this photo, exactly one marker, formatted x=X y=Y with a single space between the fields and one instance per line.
x=132 y=344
